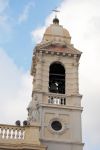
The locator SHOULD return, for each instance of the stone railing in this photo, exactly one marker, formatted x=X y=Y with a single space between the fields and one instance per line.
x=58 y=99
x=11 y=132
x=19 y=134
x=62 y=99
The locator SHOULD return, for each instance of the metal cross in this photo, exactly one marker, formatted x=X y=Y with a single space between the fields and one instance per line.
x=56 y=11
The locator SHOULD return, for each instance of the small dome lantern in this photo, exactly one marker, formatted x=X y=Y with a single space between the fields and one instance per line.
x=56 y=20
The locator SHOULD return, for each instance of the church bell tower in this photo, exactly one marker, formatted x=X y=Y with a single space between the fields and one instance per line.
x=56 y=102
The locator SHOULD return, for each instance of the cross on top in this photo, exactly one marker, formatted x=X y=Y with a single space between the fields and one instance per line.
x=56 y=11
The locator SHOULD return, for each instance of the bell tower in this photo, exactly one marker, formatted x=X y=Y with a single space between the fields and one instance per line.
x=56 y=102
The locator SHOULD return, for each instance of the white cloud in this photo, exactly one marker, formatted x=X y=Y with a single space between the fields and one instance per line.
x=3 y=5
x=5 y=21
x=37 y=34
x=82 y=19
x=6 y=29
x=25 y=13
x=15 y=90
x=4 y=25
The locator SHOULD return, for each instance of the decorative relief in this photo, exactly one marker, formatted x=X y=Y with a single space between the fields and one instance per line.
x=33 y=110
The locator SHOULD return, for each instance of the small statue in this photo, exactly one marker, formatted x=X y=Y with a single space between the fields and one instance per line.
x=33 y=110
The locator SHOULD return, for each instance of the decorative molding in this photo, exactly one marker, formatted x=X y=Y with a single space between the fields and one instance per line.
x=64 y=126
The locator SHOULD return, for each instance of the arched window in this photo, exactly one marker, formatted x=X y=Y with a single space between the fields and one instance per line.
x=57 y=78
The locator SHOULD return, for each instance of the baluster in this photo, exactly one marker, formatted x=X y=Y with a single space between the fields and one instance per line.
x=53 y=100
x=49 y=100
x=9 y=133
x=1 y=133
x=21 y=133
x=56 y=100
x=5 y=133
x=17 y=135
x=59 y=100
x=13 y=133
x=64 y=101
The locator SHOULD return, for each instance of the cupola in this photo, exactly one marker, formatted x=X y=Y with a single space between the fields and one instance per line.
x=56 y=33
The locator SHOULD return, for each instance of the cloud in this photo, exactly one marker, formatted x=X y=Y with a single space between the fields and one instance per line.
x=4 y=25
x=6 y=29
x=25 y=13
x=37 y=34
x=5 y=22
x=15 y=90
x=3 y=5
x=82 y=19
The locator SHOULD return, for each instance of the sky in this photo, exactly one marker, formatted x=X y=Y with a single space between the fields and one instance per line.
x=22 y=24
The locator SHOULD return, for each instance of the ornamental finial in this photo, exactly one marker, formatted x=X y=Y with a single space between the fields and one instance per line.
x=56 y=11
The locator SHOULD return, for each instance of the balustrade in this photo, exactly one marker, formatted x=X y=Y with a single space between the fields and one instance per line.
x=20 y=137
x=58 y=99
x=11 y=132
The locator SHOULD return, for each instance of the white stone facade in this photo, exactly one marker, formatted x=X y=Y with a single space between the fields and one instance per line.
x=64 y=109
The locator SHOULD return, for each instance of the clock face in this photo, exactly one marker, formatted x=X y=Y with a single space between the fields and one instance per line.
x=56 y=125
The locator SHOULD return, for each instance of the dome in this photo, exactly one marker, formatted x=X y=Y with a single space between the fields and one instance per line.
x=57 y=33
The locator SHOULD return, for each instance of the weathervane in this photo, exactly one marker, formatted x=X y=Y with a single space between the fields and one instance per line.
x=56 y=11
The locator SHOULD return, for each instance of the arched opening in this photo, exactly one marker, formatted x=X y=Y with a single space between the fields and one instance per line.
x=57 y=78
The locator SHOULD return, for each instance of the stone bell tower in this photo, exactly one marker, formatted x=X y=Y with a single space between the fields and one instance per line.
x=56 y=102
